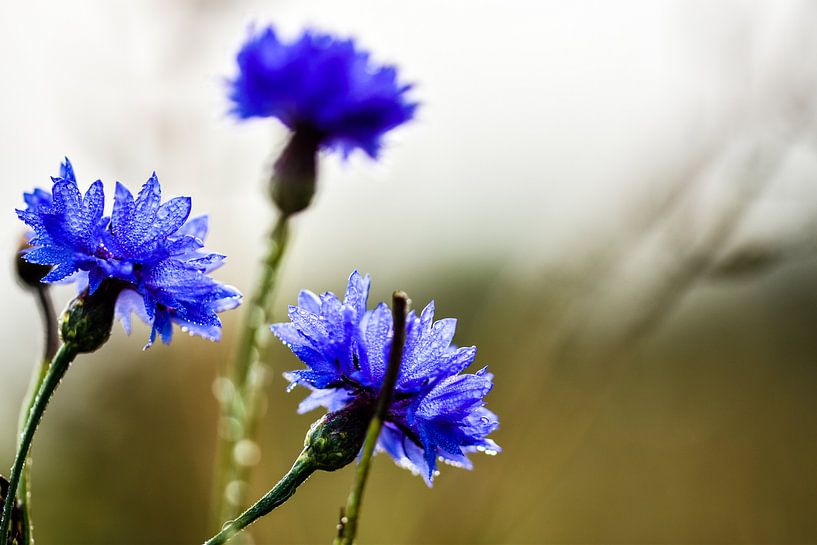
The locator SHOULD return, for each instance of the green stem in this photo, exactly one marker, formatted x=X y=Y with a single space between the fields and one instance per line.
x=281 y=492
x=59 y=365
x=240 y=403
x=347 y=529
x=49 y=320
x=24 y=497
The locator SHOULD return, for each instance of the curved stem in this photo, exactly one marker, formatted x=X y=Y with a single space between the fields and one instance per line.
x=347 y=529
x=49 y=319
x=59 y=365
x=281 y=492
x=50 y=344
x=240 y=404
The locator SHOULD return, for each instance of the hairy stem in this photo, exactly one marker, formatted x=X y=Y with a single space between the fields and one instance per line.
x=281 y=492
x=241 y=399
x=50 y=344
x=347 y=529
x=59 y=365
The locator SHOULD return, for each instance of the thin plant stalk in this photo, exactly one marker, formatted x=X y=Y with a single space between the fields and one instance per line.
x=59 y=365
x=242 y=398
x=281 y=492
x=347 y=529
x=49 y=319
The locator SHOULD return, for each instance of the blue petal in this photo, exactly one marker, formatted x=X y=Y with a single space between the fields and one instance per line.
x=147 y=202
x=95 y=278
x=161 y=326
x=93 y=205
x=123 y=207
x=67 y=197
x=304 y=350
x=130 y=302
x=357 y=292
x=196 y=227
x=378 y=342
x=206 y=263
x=63 y=270
x=333 y=399
x=308 y=323
x=170 y=217
x=48 y=255
x=67 y=171
x=184 y=245
x=38 y=200
x=309 y=301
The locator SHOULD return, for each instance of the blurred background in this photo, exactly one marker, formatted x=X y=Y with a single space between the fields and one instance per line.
x=617 y=200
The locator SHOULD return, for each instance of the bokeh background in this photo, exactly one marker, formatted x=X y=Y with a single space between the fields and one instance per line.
x=618 y=200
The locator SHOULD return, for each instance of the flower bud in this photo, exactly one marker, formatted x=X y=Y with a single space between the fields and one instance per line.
x=294 y=175
x=16 y=527
x=87 y=321
x=29 y=274
x=335 y=440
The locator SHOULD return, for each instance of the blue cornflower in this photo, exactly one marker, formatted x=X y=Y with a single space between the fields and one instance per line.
x=322 y=85
x=436 y=411
x=149 y=249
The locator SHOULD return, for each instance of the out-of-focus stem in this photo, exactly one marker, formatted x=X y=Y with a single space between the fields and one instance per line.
x=241 y=395
x=347 y=529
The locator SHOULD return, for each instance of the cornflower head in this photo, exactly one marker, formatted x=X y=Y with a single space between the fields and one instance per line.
x=327 y=91
x=148 y=254
x=436 y=411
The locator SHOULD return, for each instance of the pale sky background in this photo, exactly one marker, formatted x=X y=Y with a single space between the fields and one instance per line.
x=543 y=124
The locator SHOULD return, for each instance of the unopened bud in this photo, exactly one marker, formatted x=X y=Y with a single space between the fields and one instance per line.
x=87 y=321
x=28 y=274
x=294 y=175
x=335 y=440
